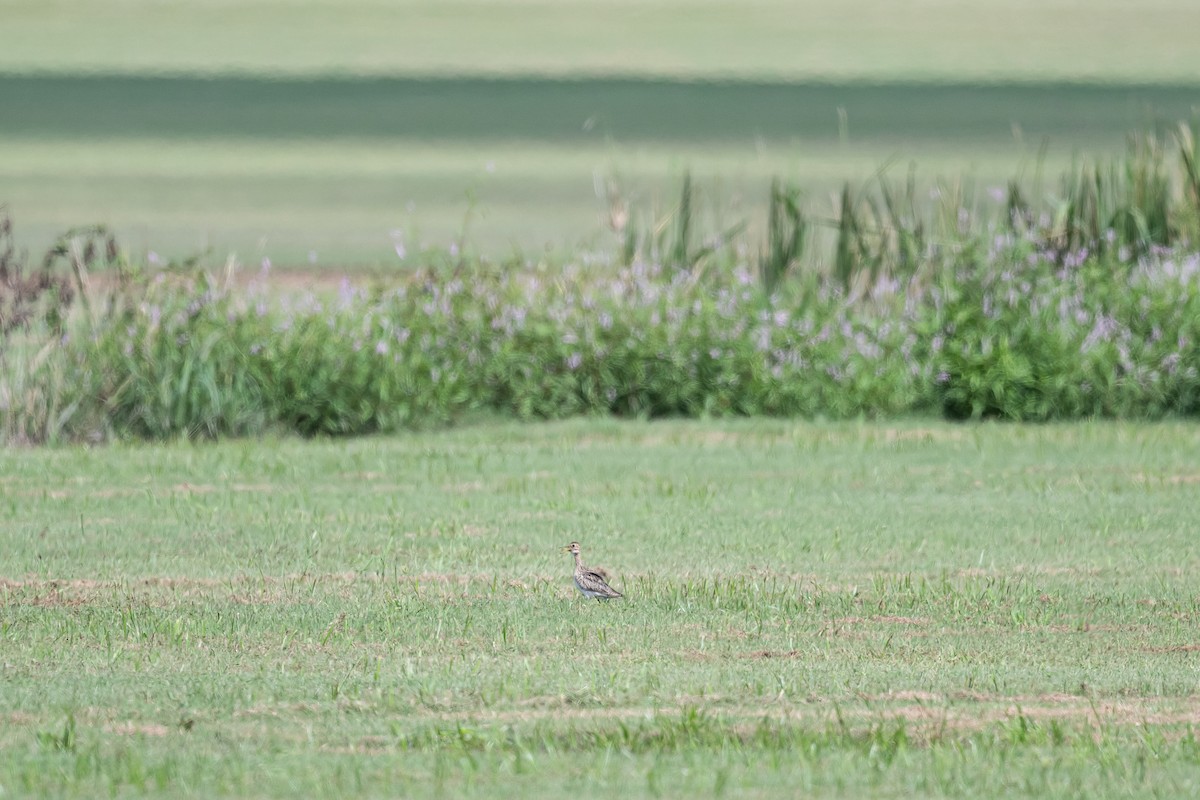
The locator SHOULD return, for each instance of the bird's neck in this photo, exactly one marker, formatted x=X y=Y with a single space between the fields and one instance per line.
x=578 y=560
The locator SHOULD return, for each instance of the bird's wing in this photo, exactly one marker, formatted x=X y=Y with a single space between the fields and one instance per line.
x=592 y=576
x=594 y=579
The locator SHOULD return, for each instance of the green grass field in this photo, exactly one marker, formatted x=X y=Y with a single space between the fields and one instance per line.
x=833 y=610
x=911 y=609
x=312 y=131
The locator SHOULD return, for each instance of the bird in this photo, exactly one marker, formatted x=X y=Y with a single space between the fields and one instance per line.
x=589 y=581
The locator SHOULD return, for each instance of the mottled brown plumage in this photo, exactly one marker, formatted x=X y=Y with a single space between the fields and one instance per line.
x=589 y=581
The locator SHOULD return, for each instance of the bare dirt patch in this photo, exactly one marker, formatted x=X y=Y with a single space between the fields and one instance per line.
x=1086 y=627
x=184 y=488
x=1182 y=648
x=137 y=729
x=911 y=695
x=18 y=718
x=926 y=716
x=243 y=589
x=766 y=654
x=1186 y=479
x=51 y=594
x=883 y=620
x=926 y=710
x=1075 y=709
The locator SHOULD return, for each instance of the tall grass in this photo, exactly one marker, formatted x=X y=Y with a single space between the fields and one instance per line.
x=787 y=236
x=1080 y=306
x=881 y=233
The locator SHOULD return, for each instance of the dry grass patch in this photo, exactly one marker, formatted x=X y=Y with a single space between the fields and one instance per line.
x=1185 y=479
x=136 y=729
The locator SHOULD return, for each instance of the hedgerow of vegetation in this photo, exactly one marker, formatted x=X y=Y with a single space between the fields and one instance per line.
x=1085 y=304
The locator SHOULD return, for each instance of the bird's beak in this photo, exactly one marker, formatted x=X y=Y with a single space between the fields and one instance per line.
x=566 y=548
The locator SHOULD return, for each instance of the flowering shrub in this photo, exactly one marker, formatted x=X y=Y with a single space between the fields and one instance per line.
x=1022 y=338
x=1003 y=331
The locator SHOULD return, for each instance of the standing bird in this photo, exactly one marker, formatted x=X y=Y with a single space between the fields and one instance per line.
x=589 y=581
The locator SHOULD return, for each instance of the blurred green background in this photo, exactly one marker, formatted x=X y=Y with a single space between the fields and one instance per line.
x=326 y=133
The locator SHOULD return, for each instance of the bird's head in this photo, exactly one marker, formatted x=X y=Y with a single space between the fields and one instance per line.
x=572 y=548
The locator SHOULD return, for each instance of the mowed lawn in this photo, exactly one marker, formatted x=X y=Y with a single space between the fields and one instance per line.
x=314 y=132
x=912 y=609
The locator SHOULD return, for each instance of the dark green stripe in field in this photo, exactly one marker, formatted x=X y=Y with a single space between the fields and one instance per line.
x=468 y=109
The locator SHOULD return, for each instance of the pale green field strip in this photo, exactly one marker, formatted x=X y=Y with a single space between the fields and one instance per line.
x=1103 y=41
x=348 y=201
x=856 y=610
